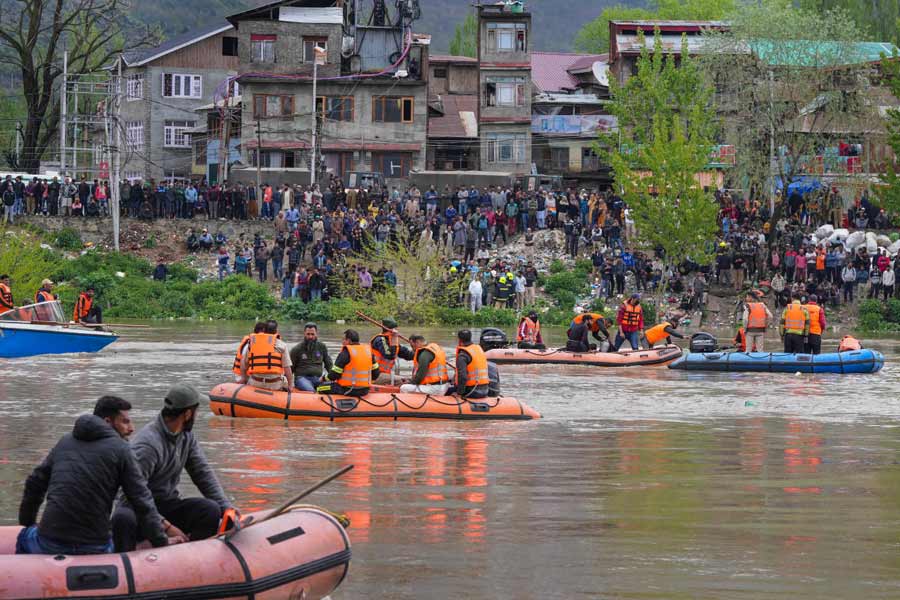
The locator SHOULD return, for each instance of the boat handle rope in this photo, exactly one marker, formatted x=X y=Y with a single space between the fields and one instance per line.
x=394 y=398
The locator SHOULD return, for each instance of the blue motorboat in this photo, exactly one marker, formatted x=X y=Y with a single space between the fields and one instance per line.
x=853 y=361
x=42 y=329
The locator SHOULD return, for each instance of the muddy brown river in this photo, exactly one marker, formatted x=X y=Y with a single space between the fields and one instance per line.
x=636 y=484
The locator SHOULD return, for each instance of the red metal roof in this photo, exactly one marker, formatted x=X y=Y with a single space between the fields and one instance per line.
x=450 y=124
x=550 y=71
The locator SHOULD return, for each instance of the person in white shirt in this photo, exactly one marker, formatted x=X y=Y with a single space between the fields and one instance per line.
x=888 y=278
x=475 y=291
x=520 y=290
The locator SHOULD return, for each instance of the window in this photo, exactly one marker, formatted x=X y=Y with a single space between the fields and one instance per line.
x=507 y=37
x=182 y=86
x=392 y=109
x=134 y=135
x=440 y=73
x=262 y=48
x=309 y=44
x=335 y=108
x=506 y=148
x=392 y=164
x=200 y=153
x=134 y=87
x=272 y=106
x=504 y=91
x=559 y=159
x=275 y=159
x=229 y=46
x=174 y=135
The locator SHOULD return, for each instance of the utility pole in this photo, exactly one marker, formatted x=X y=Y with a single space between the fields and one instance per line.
x=772 y=147
x=63 y=90
x=75 y=132
x=315 y=119
x=258 y=156
x=116 y=186
x=18 y=141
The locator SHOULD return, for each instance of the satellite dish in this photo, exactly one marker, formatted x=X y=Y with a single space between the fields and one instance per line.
x=601 y=72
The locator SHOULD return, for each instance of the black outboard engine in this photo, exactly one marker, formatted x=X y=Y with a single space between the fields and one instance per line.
x=703 y=342
x=492 y=339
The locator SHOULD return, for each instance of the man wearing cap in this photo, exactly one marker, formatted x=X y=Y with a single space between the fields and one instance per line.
x=310 y=360
x=164 y=448
x=45 y=293
x=386 y=348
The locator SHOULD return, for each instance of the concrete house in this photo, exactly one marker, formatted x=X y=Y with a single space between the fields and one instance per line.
x=452 y=113
x=504 y=109
x=162 y=88
x=370 y=106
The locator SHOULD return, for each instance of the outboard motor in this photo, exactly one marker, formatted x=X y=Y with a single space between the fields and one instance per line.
x=492 y=339
x=703 y=342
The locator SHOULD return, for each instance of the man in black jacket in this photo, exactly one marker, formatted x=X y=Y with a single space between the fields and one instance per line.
x=80 y=478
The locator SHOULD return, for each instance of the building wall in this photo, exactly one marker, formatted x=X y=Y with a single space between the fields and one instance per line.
x=289 y=47
x=206 y=54
x=490 y=55
x=516 y=167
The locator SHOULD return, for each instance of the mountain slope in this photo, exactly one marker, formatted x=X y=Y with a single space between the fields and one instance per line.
x=554 y=22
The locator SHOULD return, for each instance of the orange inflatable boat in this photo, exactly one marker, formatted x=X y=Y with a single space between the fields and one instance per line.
x=303 y=553
x=238 y=400
x=560 y=356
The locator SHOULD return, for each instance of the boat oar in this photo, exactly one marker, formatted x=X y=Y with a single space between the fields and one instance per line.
x=116 y=325
x=381 y=325
x=249 y=522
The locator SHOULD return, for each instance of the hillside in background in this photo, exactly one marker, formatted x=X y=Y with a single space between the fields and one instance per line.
x=555 y=22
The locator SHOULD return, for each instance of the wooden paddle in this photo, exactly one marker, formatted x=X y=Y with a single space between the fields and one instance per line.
x=377 y=324
x=249 y=522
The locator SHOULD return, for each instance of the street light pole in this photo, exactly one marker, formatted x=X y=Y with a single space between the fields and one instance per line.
x=315 y=117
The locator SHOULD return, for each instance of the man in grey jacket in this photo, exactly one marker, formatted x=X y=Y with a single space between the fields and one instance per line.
x=163 y=449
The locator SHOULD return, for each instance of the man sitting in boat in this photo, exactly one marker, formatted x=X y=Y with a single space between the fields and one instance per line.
x=309 y=360
x=664 y=331
x=578 y=335
x=528 y=336
x=85 y=309
x=472 y=369
x=6 y=297
x=236 y=366
x=386 y=348
x=597 y=328
x=354 y=369
x=430 y=375
x=266 y=363
x=45 y=292
x=164 y=448
x=80 y=478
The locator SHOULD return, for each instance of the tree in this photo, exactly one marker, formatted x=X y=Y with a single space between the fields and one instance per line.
x=879 y=19
x=465 y=38
x=789 y=82
x=91 y=31
x=889 y=193
x=593 y=37
x=666 y=133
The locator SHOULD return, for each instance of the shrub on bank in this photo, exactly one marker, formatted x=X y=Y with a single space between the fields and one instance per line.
x=875 y=316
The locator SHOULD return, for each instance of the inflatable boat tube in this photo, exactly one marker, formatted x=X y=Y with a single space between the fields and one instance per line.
x=302 y=553
x=244 y=401
x=628 y=358
x=857 y=361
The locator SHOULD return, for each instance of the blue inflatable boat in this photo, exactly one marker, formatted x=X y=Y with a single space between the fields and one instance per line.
x=855 y=361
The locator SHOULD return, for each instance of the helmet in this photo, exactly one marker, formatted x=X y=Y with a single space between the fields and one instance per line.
x=453 y=269
x=503 y=279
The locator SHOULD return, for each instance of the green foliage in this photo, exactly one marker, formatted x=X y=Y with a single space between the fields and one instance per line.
x=566 y=286
x=465 y=42
x=650 y=315
x=876 y=317
x=68 y=238
x=876 y=18
x=23 y=259
x=667 y=130
x=593 y=37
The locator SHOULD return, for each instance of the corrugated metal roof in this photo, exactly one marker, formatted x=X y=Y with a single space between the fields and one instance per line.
x=629 y=43
x=331 y=15
x=458 y=118
x=450 y=58
x=550 y=70
x=811 y=53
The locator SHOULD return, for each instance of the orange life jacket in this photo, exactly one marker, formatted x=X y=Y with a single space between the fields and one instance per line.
x=814 y=310
x=756 y=317
x=820 y=261
x=849 y=343
x=531 y=331
x=263 y=358
x=794 y=318
x=6 y=298
x=741 y=340
x=384 y=364
x=657 y=333
x=357 y=372
x=437 y=368
x=43 y=295
x=83 y=307
x=632 y=316
x=236 y=367
x=477 y=370
x=595 y=324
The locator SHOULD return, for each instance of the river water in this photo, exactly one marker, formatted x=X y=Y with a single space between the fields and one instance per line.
x=636 y=484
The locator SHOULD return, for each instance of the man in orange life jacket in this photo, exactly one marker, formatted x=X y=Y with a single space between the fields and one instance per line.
x=631 y=323
x=430 y=374
x=85 y=309
x=528 y=335
x=265 y=361
x=472 y=371
x=756 y=319
x=794 y=327
x=45 y=293
x=354 y=369
x=386 y=348
x=662 y=331
x=6 y=297
x=817 y=325
x=260 y=327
